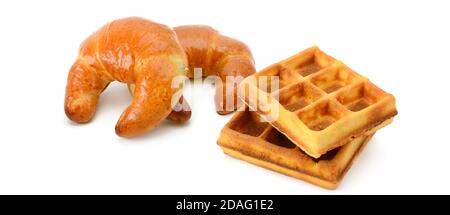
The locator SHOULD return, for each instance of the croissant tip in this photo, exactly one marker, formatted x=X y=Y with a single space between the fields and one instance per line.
x=121 y=131
x=77 y=117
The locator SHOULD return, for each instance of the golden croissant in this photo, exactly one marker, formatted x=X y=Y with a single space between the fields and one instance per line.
x=148 y=56
x=219 y=56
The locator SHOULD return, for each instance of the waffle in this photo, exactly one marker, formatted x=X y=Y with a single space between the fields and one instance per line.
x=248 y=138
x=320 y=103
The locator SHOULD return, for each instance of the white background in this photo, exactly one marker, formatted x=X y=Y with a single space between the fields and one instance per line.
x=402 y=46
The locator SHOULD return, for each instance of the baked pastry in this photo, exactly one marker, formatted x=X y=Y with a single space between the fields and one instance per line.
x=319 y=103
x=248 y=137
x=219 y=56
x=148 y=57
x=133 y=51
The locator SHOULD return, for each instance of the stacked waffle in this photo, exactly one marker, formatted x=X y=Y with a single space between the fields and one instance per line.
x=308 y=117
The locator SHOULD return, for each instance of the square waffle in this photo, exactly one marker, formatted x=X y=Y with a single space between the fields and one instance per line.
x=248 y=138
x=319 y=103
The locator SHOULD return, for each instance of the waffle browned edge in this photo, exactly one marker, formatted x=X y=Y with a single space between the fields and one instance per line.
x=229 y=134
x=369 y=126
x=321 y=182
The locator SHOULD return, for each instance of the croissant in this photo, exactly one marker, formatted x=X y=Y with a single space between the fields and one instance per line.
x=144 y=54
x=148 y=56
x=217 y=55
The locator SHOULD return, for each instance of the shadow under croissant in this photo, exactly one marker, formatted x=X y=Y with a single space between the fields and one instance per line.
x=164 y=128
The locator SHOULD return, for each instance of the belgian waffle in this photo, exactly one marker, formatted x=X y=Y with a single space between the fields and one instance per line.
x=248 y=138
x=320 y=103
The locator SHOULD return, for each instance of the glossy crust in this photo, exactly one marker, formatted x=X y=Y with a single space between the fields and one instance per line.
x=133 y=51
x=217 y=55
x=148 y=56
